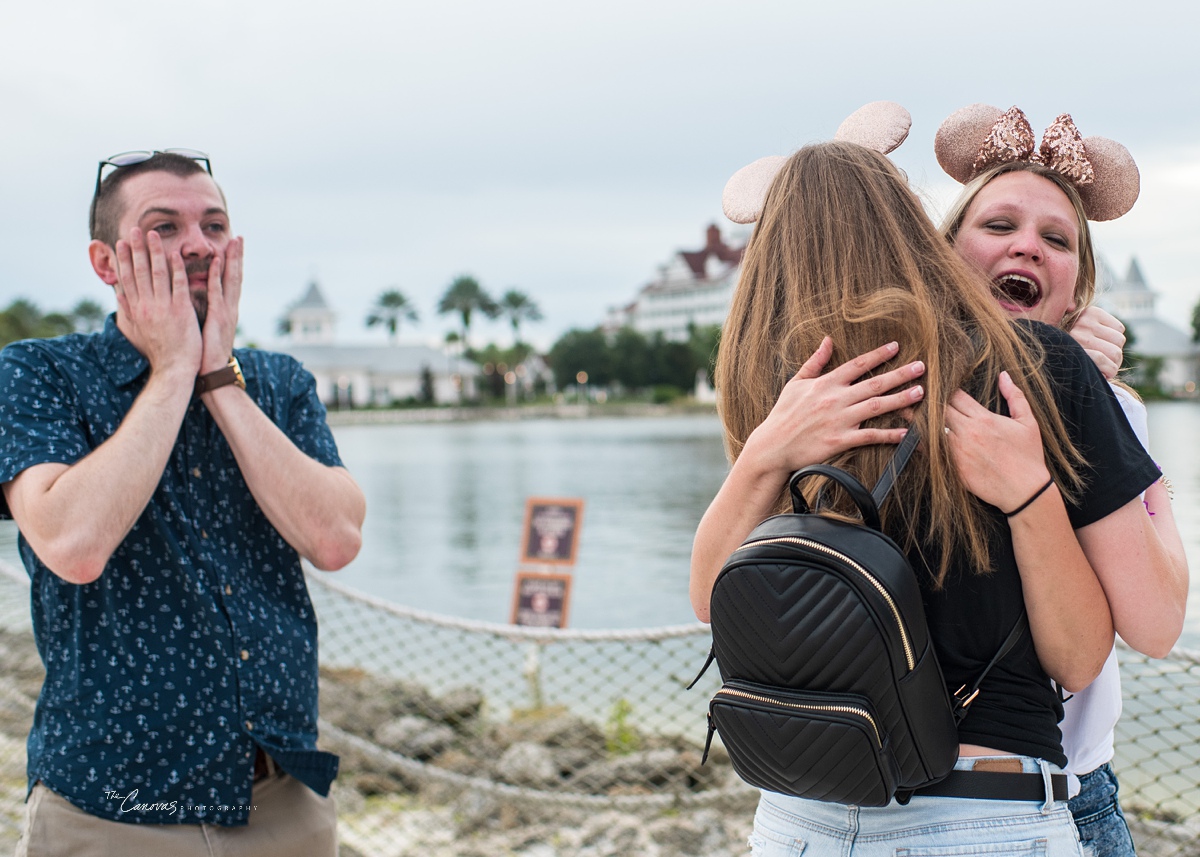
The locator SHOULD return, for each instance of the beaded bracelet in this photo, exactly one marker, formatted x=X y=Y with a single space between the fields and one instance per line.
x=1027 y=503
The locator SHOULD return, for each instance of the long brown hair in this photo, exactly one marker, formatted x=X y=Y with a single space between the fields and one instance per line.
x=843 y=248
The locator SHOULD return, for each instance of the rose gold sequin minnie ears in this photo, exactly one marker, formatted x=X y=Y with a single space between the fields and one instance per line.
x=880 y=125
x=981 y=136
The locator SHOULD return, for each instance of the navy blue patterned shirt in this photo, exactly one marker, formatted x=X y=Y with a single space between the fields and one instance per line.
x=198 y=641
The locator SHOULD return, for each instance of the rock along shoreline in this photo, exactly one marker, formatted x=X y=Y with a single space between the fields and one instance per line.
x=536 y=773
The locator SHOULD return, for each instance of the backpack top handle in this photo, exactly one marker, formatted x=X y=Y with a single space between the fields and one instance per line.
x=868 y=503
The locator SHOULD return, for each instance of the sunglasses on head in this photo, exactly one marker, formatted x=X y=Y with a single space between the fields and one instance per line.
x=128 y=159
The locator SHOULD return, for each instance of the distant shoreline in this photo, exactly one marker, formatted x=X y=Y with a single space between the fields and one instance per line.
x=591 y=410
x=398 y=416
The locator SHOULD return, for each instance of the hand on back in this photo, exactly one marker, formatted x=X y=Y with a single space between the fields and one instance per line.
x=1103 y=337
x=1000 y=459
x=820 y=415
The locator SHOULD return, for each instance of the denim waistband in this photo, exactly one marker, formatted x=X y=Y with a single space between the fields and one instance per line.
x=1029 y=764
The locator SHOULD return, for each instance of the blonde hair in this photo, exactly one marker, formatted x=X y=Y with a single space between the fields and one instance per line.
x=843 y=248
x=1085 y=279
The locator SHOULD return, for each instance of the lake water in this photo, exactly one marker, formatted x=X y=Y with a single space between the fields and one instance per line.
x=446 y=504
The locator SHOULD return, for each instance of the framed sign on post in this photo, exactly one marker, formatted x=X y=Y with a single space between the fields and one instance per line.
x=541 y=599
x=550 y=535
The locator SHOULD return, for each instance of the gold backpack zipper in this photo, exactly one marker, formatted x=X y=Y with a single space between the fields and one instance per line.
x=909 y=657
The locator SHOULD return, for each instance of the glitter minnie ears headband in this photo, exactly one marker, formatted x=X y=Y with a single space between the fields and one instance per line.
x=981 y=136
x=880 y=125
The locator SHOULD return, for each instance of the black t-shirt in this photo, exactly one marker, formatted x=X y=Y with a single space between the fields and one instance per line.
x=1018 y=709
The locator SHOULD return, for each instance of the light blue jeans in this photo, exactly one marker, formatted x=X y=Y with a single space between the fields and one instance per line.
x=927 y=827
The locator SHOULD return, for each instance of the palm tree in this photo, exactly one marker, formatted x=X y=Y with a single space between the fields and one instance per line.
x=389 y=308
x=519 y=307
x=464 y=296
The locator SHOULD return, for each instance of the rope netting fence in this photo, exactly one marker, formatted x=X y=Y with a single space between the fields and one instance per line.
x=429 y=712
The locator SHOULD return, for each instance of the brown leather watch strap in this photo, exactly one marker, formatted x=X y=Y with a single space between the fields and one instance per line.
x=231 y=374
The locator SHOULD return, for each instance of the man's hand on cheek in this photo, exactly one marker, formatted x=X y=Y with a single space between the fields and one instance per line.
x=156 y=313
x=224 y=293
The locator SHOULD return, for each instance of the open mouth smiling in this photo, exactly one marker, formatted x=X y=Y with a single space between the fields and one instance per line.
x=1017 y=290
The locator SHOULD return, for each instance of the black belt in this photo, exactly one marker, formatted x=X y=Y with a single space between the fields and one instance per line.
x=996 y=785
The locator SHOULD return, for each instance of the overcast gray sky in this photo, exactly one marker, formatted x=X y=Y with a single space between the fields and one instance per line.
x=564 y=149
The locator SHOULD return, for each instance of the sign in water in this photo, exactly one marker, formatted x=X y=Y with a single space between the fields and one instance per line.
x=549 y=539
x=551 y=531
x=541 y=600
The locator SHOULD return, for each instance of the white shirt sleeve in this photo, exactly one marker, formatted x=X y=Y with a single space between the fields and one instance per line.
x=1135 y=413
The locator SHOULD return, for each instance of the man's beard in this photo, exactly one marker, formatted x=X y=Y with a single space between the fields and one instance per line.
x=199 y=299
x=200 y=305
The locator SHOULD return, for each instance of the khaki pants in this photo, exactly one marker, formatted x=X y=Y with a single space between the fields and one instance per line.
x=288 y=819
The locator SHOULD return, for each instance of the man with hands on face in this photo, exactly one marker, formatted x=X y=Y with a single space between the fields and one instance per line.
x=166 y=486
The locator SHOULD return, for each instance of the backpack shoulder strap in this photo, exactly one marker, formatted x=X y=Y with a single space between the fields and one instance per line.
x=964 y=697
x=900 y=458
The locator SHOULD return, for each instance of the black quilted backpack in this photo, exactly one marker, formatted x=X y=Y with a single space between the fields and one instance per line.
x=831 y=687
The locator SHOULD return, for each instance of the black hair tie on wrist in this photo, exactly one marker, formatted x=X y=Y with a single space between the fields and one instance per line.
x=1027 y=503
